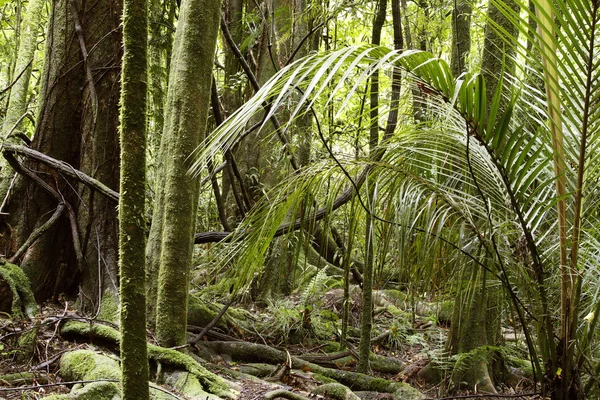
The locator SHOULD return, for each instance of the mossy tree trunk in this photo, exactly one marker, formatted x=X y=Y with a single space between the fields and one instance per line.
x=132 y=224
x=78 y=123
x=173 y=225
x=17 y=103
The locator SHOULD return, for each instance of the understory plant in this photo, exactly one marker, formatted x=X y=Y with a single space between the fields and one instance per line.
x=504 y=188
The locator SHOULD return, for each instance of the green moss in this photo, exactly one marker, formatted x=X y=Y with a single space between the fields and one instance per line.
x=91 y=391
x=86 y=365
x=335 y=391
x=109 y=307
x=77 y=328
x=524 y=366
x=444 y=312
x=202 y=313
x=323 y=379
x=23 y=300
x=188 y=385
x=395 y=296
x=209 y=381
x=27 y=344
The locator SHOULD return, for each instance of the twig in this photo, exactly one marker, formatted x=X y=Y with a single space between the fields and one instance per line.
x=256 y=86
x=6 y=89
x=16 y=124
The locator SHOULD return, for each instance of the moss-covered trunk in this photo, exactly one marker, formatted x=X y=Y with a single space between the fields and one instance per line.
x=17 y=104
x=171 y=239
x=132 y=224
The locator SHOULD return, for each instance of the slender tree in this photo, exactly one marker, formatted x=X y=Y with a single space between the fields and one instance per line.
x=171 y=240
x=17 y=104
x=132 y=232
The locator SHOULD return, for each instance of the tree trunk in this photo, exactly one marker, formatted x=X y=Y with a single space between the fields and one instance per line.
x=171 y=239
x=367 y=304
x=17 y=103
x=77 y=124
x=132 y=202
x=461 y=36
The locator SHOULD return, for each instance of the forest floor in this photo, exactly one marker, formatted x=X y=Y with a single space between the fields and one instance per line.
x=406 y=338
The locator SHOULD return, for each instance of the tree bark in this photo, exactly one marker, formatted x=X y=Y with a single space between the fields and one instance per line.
x=461 y=36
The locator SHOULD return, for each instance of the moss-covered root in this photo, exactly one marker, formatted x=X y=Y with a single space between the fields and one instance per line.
x=252 y=352
x=27 y=342
x=189 y=385
x=14 y=282
x=209 y=381
x=88 y=365
x=92 y=391
x=22 y=378
x=335 y=391
x=286 y=394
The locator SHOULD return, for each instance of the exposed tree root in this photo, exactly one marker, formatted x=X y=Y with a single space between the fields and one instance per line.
x=335 y=391
x=286 y=394
x=252 y=352
x=209 y=381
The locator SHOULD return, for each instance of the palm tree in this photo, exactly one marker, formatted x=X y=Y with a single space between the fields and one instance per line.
x=509 y=188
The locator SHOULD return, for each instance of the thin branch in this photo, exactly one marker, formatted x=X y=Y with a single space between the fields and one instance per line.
x=6 y=89
x=256 y=86
x=212 y=323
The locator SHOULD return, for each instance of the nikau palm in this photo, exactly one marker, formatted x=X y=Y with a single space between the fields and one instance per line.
x=506 y=183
